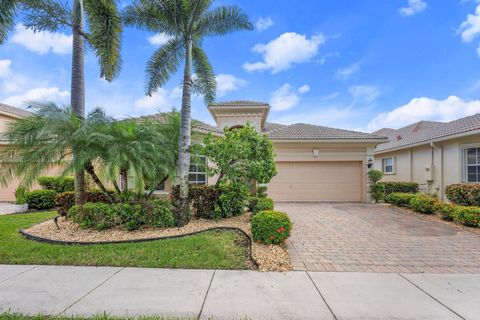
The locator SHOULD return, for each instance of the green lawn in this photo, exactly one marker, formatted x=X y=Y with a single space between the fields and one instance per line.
x=209 y=250
x=9 y=316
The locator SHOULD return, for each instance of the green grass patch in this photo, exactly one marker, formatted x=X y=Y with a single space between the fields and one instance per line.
x=208 y=250
x=12 y=316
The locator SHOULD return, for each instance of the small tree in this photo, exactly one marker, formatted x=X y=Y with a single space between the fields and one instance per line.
x=242 y=155
x=377 y=190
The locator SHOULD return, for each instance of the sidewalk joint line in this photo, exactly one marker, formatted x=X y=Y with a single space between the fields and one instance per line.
x=428 y=294
x=321 y=295
x=206 y=294
x=16 y=275
x=82 y=297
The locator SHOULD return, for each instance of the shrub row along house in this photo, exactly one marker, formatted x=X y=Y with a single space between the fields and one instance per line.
x=432 y=154
x=314 y=163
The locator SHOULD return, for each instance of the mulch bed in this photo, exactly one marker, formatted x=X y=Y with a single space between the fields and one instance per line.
x=268 y=257
x=432 y=217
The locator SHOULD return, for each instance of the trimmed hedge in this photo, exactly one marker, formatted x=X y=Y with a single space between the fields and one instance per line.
x=464 y=194
x=400 y=187
x=378 y=192
x=423 y=203
x=41 y=199
x=231 y=201
x=59 y=184
x=445 y=210
x=201 y=198
x=263 y=204
x=271 y=227
x=399 y=199
x=101 y=216
x=469 y=216
x=66 y=200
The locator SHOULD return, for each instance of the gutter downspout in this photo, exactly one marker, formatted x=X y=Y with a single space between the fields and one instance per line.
x=440 y=148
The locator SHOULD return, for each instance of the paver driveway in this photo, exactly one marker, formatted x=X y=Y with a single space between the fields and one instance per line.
x=375 y=238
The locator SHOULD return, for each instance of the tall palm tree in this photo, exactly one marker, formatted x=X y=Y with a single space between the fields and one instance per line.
x=187 y=23
x=103 y=35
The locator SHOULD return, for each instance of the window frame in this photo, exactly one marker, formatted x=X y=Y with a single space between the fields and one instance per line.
x=465 y=164
x=196 y=173
x=384 y=165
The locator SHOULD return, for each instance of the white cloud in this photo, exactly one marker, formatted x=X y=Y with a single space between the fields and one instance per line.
x=39 y=94
x=413 y=7
x=286 y=97
x=364 y=93
x=163 y=100
x=159 y=39
x=425 y=109
x=264 y=23
x=227 y=83
x=470 y=28
x=288 y=49
x=331 y=96
x=42 y=42
x=5 y=67
x=304 y=89
x=347 y=72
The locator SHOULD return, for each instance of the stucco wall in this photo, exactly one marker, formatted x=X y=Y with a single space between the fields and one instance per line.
x=447 y=168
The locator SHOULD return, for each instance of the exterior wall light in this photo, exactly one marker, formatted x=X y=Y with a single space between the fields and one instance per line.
x=370 y=163
x=316 y=152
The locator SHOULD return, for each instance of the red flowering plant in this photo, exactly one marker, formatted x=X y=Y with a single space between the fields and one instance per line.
x=271 y=227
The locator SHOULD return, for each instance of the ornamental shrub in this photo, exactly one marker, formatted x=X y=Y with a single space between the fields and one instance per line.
x=445 y=210
x=423 y=203
x=252 y=203
x=271 y=227
x=161 y=214
x=401 y=187
x=469 y=216
x=464 y=194
x=263 y=204
x=66 y=200
x=399 y=199
x=41 y=199
x=378 y=192
x=231 y=201
x=262 y=191
x=59 y=184
x=202 y=199
x=375 y=175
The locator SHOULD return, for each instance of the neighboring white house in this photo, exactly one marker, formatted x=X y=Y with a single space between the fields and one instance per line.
x=433 y=154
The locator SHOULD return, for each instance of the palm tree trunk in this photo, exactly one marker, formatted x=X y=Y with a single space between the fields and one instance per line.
x=124 y=177
x=77 y=98
x=184 y=138
x=91 y=171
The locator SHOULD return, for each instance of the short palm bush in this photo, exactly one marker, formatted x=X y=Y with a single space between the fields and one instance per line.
x=271 y=227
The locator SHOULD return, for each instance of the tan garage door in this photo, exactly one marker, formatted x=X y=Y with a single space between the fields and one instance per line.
x=317 y=181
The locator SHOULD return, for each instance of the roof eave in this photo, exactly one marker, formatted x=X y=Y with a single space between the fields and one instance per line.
x=366 y=141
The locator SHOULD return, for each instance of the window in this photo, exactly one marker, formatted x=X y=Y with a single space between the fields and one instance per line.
x=472 y=164
x=158 y=185
x=198 y=173
x=388 y=166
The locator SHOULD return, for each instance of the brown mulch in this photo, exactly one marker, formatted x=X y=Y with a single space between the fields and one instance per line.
x=432 y=217
x=268 y=257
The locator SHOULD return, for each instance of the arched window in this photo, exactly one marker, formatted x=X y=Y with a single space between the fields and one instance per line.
x=236 y=127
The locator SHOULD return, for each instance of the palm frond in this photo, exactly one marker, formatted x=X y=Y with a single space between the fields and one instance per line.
x=222 y=20
x=7 y=17
x=46 y=15
x=205 y=80
x=163 y=64
x=105 y=33
x=153 y=15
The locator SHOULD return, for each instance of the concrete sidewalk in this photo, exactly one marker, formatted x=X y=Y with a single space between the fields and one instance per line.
x=237 y=294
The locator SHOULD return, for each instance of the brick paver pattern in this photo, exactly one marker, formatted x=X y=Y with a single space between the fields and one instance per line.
x=375 y=238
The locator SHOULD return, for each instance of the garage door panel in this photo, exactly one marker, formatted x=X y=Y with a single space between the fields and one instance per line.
x=317 y=181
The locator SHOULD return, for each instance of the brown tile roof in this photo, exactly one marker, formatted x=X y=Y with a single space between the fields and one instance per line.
x=303 y=131
x=423 y=132
x=14 y=110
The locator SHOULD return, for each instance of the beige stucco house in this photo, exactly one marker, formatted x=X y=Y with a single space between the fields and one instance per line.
x=314 y=163
x=433 y=154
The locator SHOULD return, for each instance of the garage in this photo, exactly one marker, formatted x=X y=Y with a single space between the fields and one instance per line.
x=317 y=181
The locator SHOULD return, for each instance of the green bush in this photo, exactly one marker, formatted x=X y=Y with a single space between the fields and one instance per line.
x=252 y=203
x=20 y=195
x=66 y=200
x=201 y=198
x=161 y=214
x=378 y=192
x=400 y=187
x=271 y=227
x=423 y=203
x=262 y=191
x=41 y=199
x=469 y=216
x=375 y=175
x=231 y=201
x=464 y=194
x=59 y=184
x=263 y=204
x=399 y=199
x=445 y=210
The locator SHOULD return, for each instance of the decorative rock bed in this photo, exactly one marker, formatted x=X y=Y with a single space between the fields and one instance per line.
x=268 y=257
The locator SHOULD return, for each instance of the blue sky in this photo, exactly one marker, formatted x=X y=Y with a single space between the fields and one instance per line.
x=360 y=65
